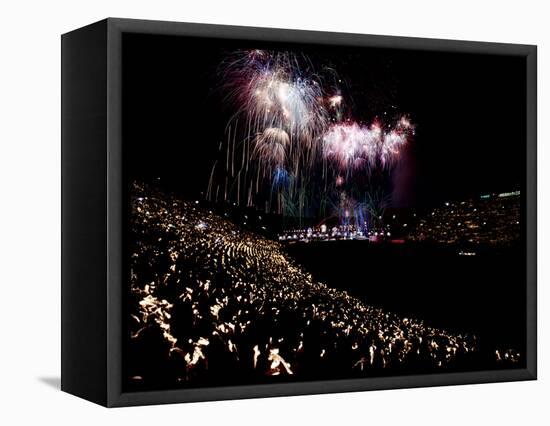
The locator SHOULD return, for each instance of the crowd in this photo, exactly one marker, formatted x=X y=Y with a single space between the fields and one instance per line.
x=493 y=220
x=210 y=301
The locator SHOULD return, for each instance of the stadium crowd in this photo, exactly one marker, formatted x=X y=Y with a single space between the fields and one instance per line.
x=491 y=220
x=210 y=300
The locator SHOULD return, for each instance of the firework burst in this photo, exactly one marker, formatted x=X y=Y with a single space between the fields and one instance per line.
x=350 y=146
x=270 y=90
x=271 y=147
x=345 y=145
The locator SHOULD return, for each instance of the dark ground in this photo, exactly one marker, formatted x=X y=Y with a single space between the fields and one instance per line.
x=482 y=294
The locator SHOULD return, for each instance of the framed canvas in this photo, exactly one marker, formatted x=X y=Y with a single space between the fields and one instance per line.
x=252 y=212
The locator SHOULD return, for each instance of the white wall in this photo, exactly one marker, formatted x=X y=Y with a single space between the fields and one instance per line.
x=30 y=200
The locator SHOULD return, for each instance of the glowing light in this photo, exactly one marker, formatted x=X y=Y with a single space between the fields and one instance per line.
x=335 y=100
x=278 y=364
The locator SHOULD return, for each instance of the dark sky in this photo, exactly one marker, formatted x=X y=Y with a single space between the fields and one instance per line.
x=468 y=111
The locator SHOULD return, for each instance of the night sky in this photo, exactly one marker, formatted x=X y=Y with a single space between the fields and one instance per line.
x=468 y=111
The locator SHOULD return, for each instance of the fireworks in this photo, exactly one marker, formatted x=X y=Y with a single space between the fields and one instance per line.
x=292 y=136
x=335 y=101
x=352 y=146
x=347 y=145
x=270 y=91
x=271 y=146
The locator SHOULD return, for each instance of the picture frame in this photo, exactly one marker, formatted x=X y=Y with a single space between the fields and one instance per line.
x=94 y=277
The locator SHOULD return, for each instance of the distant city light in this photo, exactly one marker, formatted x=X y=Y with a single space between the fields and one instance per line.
x=509 y=194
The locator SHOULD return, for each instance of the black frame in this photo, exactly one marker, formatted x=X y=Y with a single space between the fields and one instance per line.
x=92 y=213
